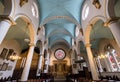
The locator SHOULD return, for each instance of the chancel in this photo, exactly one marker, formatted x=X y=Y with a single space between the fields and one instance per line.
x=59 y=40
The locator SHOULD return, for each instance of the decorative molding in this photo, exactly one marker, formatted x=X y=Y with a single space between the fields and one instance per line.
x=111 y=20
x=9 y=18
x=23 y=2
x=97 y=4
x=60 y=17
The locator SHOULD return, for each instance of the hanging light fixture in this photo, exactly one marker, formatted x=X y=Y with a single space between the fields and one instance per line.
x=14 y=57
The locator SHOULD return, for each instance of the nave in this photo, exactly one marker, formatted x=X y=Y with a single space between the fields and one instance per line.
x=59 y=40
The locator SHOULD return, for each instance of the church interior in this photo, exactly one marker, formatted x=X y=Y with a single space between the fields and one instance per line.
x=59 y=40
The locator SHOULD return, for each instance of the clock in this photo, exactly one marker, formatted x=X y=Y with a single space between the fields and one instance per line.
x=60 y=54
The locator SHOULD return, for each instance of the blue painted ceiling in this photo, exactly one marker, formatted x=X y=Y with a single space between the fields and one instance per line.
x=59 y=17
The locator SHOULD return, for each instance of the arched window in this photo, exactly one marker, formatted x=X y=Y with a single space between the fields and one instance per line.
x=113 y=58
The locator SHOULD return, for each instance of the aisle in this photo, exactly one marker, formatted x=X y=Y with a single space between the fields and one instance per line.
x=59 y=79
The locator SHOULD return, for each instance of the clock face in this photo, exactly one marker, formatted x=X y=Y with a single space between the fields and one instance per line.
x=60 y=54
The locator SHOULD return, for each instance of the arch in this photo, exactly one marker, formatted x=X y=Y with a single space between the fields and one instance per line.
x=60 y=17
x=99 y=32
x=116 y=8
x=110 y=8
x=8 y=6
x=30 y=27
x=88 y=29
x=81 y=46
x=60 y=42
x=61 y=31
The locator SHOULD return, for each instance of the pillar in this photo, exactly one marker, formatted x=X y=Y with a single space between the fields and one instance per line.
x=73 y=62
x=115 y=29
x=78 y=64
x=46 y=63
x=91 y=62
x=71 y=54
x=26 y=69
x=4 y=27
x=39 y=69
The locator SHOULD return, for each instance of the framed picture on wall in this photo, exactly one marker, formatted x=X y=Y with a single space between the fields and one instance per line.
x=4 y=53
x=11 y=51
x=4 y=67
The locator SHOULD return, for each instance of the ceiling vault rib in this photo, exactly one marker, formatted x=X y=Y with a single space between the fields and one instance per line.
x=60 y=17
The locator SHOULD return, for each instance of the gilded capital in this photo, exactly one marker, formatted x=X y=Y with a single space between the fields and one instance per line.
x=88 y=45
x=111 y=20
x=31 y=44
x=8 y=18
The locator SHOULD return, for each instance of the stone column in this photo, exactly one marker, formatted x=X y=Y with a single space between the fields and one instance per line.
x=26 y=69
x=39 y=69
x=78 y=64
x=46 y=63
x=73 y=63
x=4 y=27
x=115 y=29
x=91 y=62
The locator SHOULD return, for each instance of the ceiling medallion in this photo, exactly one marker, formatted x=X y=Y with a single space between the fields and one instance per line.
x=60 y=54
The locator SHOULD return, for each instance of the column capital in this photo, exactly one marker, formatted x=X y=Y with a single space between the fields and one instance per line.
x=31 y=44
x=87 y=45
x=111 y=20
x=9 y=18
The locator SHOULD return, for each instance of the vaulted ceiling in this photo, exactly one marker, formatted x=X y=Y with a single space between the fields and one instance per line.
x=60 y=18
